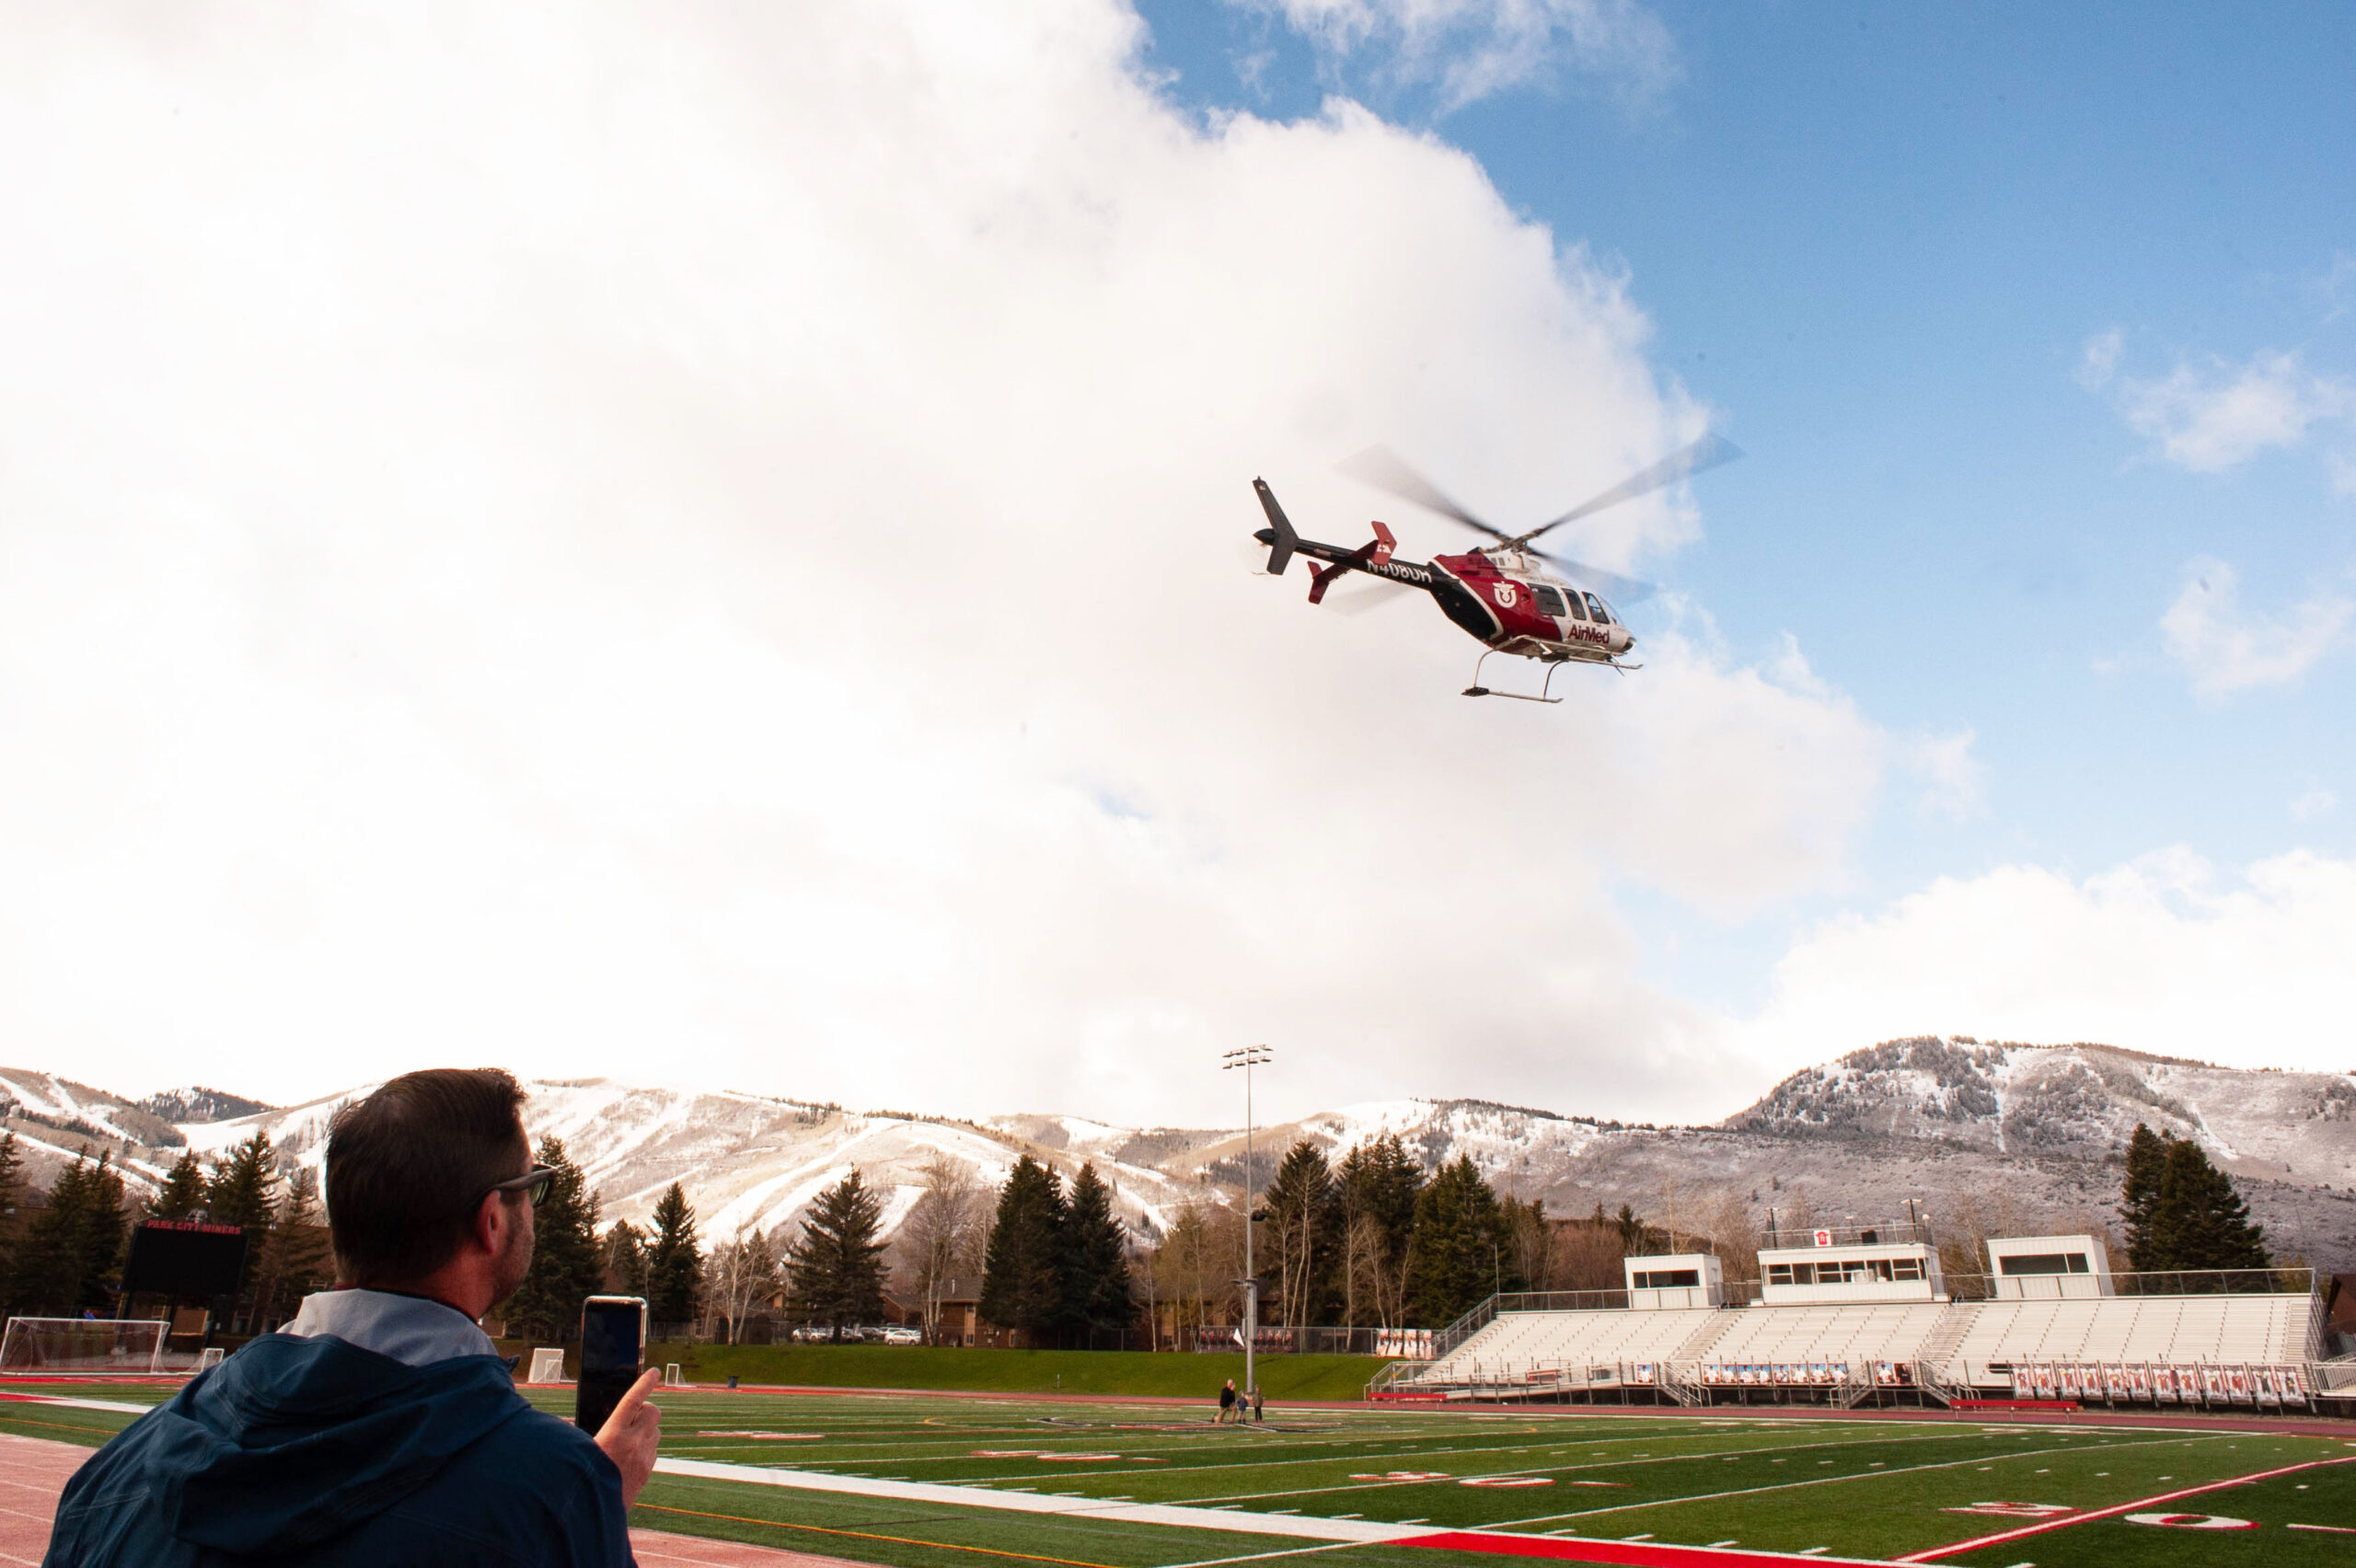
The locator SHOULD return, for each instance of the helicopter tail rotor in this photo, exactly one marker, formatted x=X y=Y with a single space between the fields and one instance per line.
x=1279 y=535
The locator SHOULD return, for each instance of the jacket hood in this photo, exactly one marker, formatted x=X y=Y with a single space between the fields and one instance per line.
x=291 y=1442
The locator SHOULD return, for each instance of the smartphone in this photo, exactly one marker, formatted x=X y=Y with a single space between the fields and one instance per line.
x=613 y=1351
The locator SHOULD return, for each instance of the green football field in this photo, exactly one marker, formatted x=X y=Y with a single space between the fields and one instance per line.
x=1615 y=1487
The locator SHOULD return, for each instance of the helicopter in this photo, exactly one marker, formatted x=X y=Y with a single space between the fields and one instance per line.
x=1502 y=592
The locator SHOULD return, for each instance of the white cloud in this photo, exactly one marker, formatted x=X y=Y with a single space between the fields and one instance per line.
x=697 y=544
x=1954 y=783
x=2313 y=802
x=2167 y=954
x=2226 y=648
x=1473 y=49
x=2098 y=361
x=2211 y=417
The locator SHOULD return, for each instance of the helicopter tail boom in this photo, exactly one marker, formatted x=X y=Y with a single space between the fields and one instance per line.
x=1279 y=536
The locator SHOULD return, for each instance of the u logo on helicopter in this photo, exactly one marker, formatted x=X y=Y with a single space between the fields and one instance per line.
x=1500 y=593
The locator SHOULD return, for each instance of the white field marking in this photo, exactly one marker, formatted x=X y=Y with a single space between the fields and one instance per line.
x=1932 y=1436
x=1259 y=1463
x=1950 y=1550
x=1230 y=1520
x=1783 y=1486
x=1262 y=1556
x=61 y=1401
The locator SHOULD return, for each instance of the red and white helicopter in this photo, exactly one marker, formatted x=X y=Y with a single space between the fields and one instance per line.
x=1500 y=593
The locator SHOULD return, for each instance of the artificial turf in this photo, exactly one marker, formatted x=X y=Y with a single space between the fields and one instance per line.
x=1852 y=1488
x=955 y=1369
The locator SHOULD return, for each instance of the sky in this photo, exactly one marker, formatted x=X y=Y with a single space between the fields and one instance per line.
x=713 y=548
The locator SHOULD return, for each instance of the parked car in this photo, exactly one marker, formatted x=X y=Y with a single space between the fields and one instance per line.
x=903 y=1336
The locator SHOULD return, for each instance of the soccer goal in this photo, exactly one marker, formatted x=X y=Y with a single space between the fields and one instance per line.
x=548 y=1367
x=83 y=1347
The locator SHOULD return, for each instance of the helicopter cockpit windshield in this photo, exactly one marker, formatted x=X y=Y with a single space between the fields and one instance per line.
x=1602 y=616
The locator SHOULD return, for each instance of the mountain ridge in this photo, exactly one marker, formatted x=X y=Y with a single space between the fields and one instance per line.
x=1992 y=1136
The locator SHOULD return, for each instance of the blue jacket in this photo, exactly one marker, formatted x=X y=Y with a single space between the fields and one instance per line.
x=313 y=1451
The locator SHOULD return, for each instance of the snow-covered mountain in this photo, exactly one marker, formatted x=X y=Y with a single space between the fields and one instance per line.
x=744 y=1160
x=2070 y=1099
x=1991 y=1137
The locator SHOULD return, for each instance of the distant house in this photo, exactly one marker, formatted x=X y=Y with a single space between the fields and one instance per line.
x=961 y=1315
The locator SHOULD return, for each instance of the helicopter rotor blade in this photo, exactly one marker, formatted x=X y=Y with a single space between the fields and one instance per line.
x=1706 y=453
x=1379 y=466
x=1621 y=591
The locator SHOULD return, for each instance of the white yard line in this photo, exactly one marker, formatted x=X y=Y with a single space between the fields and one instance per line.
x=8 y=1399
x=1829 y=1480
x=1233 y=1520
x=1607 y=1463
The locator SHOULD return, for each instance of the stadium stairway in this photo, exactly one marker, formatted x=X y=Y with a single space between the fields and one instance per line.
x=1938 y=1347
x=1715 y=1327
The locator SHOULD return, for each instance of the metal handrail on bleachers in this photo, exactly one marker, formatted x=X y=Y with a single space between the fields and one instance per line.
x=2173 y=1282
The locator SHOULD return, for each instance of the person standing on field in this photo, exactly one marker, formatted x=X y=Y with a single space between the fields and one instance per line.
x=1226 y=1403
x=381 y=1428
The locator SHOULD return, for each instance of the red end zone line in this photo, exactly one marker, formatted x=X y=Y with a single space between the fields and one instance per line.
x=1938 y=1552
x=1624 y=1554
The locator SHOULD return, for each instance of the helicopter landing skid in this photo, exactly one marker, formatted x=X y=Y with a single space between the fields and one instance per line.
x=1477 y=689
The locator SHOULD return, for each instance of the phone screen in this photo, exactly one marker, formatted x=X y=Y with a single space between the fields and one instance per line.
x=613 y=1344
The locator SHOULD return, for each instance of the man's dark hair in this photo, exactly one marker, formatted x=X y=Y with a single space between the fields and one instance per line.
x=408 y=1167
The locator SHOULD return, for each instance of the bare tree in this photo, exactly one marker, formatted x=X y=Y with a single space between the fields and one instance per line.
x=749 y=1277
x=944 y=1234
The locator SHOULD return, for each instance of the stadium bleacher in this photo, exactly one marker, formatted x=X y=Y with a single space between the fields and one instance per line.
x=1940 y=1344
x=2179 y=1330
x=1514 y=1344
x=1880 y=1331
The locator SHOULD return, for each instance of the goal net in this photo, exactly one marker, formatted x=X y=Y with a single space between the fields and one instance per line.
x=83 y=1346
x=548 y=1367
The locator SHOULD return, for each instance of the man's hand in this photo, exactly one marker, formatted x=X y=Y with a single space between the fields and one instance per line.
x=631 y=1434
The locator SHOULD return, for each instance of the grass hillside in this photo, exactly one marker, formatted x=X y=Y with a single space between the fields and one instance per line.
x=1016 y=1371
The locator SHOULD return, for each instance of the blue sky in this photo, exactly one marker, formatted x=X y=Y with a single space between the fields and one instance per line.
x=1877 y=240
x=702 y=543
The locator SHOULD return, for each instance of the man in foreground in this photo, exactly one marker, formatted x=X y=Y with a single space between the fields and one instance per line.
x=380 y=1427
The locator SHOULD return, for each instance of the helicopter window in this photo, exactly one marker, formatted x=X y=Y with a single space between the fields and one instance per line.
x=1550 y=602
x=1601 y=612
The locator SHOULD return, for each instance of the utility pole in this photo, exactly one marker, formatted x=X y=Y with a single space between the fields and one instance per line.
x=1247 y=1057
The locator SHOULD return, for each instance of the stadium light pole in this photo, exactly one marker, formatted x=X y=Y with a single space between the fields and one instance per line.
x=1247 y=1057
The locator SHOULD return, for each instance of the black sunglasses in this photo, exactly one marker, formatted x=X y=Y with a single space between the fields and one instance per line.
x=534 y=1185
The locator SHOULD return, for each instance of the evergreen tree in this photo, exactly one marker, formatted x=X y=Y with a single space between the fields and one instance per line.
x=1022 y=1284
x=1301 y=1217
x=295 y=1258
x=1378 y=1183
x=567 y=1265
x=835 y=1269
x=674 y=1263
x=1461 y=1252
x=625 y=1260
x=1095 y=1255
x=12 y=1202
x=73 y=1248
x=183 y=1191
x=2147 y=1156
x=2182 y=1212
x=244 y=1192
x=2203 y=1220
